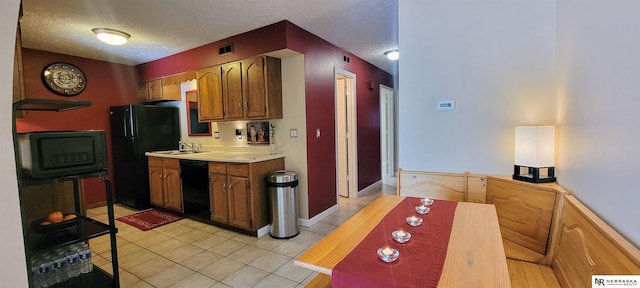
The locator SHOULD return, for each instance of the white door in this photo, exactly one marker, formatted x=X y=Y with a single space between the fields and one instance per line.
x=387 y=135
x=346 y=174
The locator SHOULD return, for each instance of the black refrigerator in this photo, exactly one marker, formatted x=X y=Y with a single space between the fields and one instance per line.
x=136 y=129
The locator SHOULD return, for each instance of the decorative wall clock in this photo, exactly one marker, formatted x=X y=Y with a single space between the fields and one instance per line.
x=64 y=79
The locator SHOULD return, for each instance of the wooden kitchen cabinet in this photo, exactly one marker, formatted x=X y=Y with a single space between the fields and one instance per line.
x=232 y=90
x=238 y=193
x=250 y=89
x=262 y=88
x=526 y=213
x=230 y=195
x=164 y=183
x=159 y=90
x=210 y=100
x=150 y=91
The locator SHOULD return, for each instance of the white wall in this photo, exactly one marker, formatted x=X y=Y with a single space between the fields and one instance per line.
x=293 y=103
x=495 y=58
x=572 y=63
x=13 y=273
x=599 y=107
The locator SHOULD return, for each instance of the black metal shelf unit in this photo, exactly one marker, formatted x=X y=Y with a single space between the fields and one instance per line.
x=82 y=228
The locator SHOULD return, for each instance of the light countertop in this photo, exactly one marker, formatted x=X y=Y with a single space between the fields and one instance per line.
x=217 y=156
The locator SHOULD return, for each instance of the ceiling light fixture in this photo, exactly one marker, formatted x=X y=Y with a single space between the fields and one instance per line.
x=111 y=36
x=392 y=54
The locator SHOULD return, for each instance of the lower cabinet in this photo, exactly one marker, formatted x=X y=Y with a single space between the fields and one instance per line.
x=164 y=183
x=238 y=193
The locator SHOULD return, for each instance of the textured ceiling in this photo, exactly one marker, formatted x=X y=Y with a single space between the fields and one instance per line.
x=366 y=28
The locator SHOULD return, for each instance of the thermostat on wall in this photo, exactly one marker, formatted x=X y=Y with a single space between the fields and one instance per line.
x=446 y=105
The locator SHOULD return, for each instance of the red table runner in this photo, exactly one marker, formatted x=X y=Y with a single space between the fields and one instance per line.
x=421 y=259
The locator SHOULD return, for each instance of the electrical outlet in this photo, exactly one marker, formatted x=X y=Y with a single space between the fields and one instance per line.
x=293 y=133
x=317 y=133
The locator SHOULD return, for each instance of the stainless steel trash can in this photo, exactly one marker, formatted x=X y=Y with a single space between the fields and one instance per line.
x=282 y=200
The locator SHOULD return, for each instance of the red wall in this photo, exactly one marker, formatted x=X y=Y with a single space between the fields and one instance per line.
x=111 y=84
x=108 y=84
x=320 y=59
x=266 y=39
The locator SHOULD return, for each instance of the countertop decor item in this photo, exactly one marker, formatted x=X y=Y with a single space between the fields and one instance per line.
x=258 y=133
x=64 y=79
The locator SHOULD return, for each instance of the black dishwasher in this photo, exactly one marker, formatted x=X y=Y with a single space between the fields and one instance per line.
x=195 y=188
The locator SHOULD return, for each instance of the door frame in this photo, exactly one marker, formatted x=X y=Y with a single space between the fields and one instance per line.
x=352 y=152
x=387 y=136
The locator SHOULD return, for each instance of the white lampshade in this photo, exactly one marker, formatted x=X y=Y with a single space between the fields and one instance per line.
x=535 y=146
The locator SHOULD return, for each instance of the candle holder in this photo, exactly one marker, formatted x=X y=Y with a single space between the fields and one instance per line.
x=426 y=201
x=422 y=209
x=388 y=254
x=414 y=221
x=401 y=236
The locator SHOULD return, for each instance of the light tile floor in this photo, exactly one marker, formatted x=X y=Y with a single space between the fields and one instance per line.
x=187 y=253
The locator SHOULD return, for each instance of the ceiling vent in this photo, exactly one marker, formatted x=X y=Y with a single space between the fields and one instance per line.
x=227 y=49
x=346 y=59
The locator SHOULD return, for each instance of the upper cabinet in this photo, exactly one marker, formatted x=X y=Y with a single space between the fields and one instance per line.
x=250 y=89
x=163 y=89
x=210 y=100
x=262 y=88
x=232 y=91
x=150 y=91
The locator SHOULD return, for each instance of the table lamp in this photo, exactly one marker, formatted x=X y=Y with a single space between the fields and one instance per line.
x=535 y=153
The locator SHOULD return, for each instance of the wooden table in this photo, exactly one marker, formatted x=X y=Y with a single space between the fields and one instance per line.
x=475 y=256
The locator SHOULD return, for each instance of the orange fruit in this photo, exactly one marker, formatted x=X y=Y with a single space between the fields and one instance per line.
x=69 y=217
x=55 y=217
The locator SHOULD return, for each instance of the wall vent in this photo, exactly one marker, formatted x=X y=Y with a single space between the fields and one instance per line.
x=227 y=49
x=346 y=59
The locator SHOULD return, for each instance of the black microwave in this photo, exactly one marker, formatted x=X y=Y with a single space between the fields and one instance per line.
x=62 y=153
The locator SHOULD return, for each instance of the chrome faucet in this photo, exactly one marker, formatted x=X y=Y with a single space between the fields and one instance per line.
x=182 y=145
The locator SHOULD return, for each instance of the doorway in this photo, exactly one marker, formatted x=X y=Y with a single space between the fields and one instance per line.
x=387 y=135
x=346 y=154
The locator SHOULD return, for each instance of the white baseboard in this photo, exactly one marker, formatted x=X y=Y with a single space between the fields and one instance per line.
x=390 y=180
x=368 y=189
x=334 y=208
x=317 y=218
x=264 y=230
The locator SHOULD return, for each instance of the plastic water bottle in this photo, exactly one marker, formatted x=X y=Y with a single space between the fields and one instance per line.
x=36 y=276
x=87 y=265
x=59 y=269
x=73 y=265
x=46 y=274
